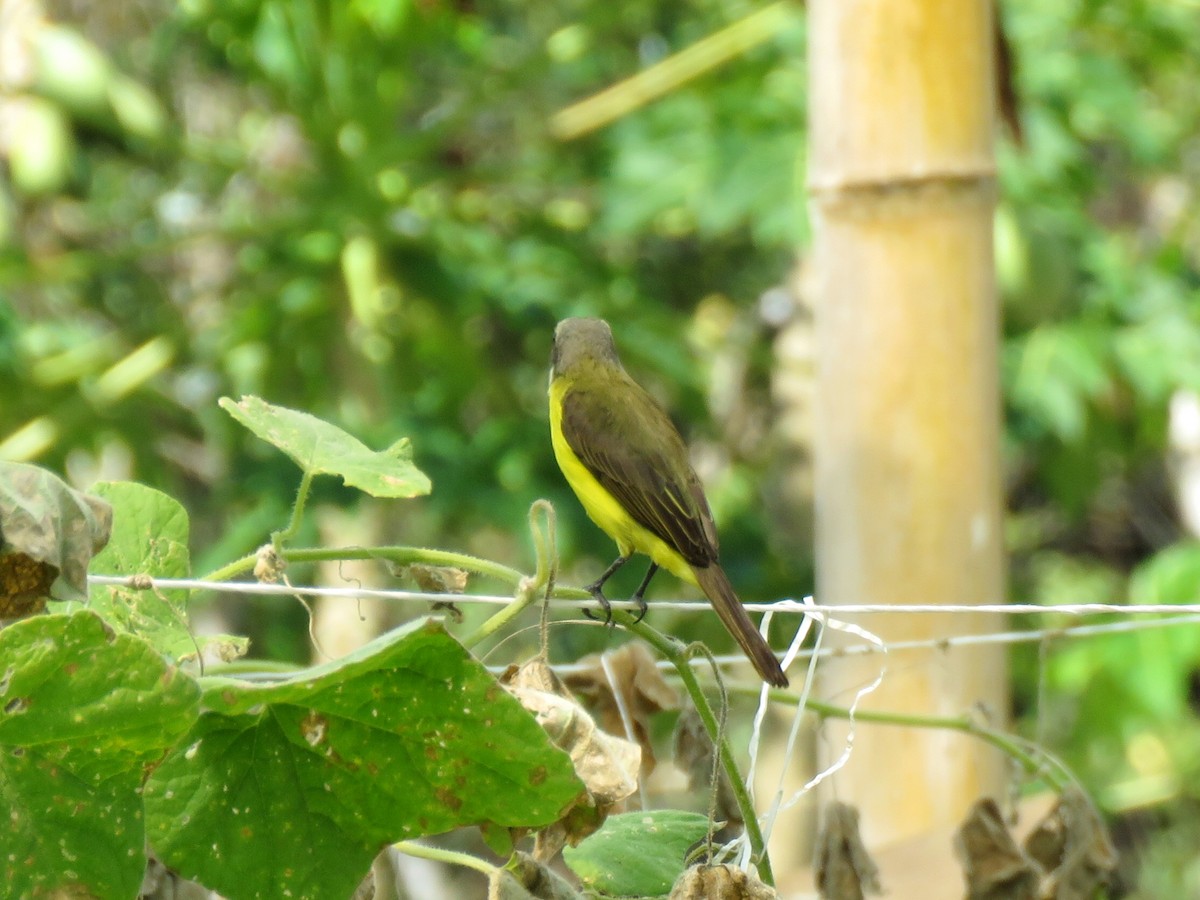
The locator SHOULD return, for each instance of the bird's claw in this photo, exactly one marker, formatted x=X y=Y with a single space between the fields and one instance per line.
x=641 y=613
x=598 y=596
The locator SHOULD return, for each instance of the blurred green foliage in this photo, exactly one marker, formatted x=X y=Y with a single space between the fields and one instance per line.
x=358 y=209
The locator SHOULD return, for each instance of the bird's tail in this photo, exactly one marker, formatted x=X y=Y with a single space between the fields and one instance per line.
x=720 y=593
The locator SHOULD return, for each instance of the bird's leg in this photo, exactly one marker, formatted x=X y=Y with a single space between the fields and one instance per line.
x=596 y=589
x=637 y=595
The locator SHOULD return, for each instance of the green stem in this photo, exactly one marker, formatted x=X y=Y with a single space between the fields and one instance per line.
x=528 y=588
x=679 y=657
x=257 y=666
x=231 y=570
x=1032 y=759
x=451 y=857
x=279 y=538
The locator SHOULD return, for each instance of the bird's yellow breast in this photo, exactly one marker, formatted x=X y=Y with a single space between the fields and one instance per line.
x=601 y=507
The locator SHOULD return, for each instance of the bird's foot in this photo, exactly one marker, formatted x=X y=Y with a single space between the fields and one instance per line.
x=641 y=591
x=598 y=596
x=641 y=610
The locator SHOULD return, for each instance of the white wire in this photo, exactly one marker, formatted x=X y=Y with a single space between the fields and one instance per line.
x=742 y=842
x=760 y=713
x=1070 y=609
x=623 y=710
x=862 y=692
x=945 y=643
x=785 y=606
x=828 y=615
x=1176 y=614
x=794 y=732
x=256 y=587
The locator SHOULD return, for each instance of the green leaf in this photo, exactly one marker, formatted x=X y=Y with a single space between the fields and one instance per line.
x=1159 y=356
x=45 y=523
x=323 y=449
x=150 y=537
x=1054 y=374
x=1171 y=576
x=408 y=736
x=1159 y=663
x=637 y=854
x=384 y=16
x=72 y=71
x=83 y=712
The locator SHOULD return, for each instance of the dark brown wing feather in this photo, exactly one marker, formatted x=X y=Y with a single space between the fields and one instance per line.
x=632 y=448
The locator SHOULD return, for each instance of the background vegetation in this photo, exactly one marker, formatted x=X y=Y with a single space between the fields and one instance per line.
x=359 y=209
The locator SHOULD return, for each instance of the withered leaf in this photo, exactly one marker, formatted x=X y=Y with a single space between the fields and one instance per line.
x=720 y=883
x=844 y=869
x=642 y=687
x=24 y=585
x=1072 y=843
x=49 y=533
x=436 y=579
x=994 y=866
x=606 y=764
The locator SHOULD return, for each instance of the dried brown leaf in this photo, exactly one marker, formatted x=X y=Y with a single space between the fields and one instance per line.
x=437 y=579
x=1072 y=843
x=24 y=585
x=844 y=869
x=607 y=765
x=642 y=688
x=994 y=866
x=720 y=883
x=49 y=533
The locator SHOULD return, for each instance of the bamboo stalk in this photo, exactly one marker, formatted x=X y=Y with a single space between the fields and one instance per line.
x=908 y=490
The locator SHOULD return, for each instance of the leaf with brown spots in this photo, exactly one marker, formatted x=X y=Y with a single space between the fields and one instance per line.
x=84 y=713
x=409 y=735
x=24 y=585
x=150 y=537
x=47 y=530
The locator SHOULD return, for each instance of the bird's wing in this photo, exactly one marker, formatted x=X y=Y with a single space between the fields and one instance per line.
x=633 y=449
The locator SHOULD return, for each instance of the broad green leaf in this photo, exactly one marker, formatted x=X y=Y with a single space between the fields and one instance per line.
x=48 y=531
x=83 y=713
x=323 y=449
x=637 y=854
x=150 y=537
x=291 y=789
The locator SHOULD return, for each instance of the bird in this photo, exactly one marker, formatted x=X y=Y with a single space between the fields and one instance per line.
x=628 y=465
